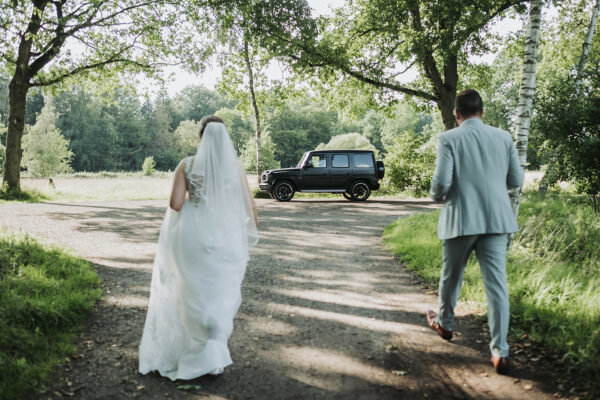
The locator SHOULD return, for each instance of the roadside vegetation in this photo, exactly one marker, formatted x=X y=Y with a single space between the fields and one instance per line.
x=553 y=274
x=45 y=295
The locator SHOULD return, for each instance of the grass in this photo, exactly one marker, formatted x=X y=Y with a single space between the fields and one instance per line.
x=553 y=272
x=45 y=294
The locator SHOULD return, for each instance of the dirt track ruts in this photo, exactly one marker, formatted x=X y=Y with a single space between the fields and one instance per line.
x=327 y=312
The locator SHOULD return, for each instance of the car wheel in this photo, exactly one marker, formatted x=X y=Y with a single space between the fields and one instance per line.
x=360 y=191
x=347 y=196
x=283 y=191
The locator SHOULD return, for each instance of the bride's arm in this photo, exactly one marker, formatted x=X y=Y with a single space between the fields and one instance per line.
x=179 y=189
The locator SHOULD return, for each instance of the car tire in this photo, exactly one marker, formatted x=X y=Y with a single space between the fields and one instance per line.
x=360 y=191
x=347 y=196
x=283 y=191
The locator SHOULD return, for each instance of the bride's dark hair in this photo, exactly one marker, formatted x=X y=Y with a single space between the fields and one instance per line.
x=206 y=120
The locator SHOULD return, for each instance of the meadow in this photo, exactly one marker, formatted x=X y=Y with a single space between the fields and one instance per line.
x=553 y=271
x=45 y=295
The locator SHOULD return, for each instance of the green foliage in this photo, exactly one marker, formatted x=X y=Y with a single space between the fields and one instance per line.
x=404 y=117
x=349 y=141
x=240 y=129
x=248 y=158
x=29 y=196
x=258 y=194
x=187 y=136
x=45 y=294
x=410 y=163
x=552 y=270
x=45 y=151
x=148 y=166
x=298 y=127
x=571 y=129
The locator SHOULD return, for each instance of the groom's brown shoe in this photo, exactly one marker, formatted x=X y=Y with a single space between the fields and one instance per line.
x=431 y=316
x=502 y=364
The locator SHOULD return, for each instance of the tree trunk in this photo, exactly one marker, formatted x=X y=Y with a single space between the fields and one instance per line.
x=16 y=124
x=550 y=175
x=17 y=99
x=585 y=48
x=526 y=91
x=257 y=126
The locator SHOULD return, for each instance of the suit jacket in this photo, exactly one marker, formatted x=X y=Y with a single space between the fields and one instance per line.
x=476 y=165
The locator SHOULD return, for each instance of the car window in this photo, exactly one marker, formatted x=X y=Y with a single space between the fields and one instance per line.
x=340 y=161
x=363 y=161
x=318 y=161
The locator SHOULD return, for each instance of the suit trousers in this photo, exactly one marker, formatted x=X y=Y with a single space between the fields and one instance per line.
x=490 y=250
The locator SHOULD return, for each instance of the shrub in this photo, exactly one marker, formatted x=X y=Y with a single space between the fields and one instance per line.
x=45 y=151
x=410 y=163
x=148 y=166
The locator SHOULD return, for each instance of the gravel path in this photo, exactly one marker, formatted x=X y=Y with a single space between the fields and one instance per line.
x=327 y=313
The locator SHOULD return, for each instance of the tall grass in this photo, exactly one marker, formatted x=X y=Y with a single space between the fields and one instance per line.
x=553 y=271
x=45 y=294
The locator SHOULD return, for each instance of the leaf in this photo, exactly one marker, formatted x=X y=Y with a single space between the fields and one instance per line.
x=189 y=387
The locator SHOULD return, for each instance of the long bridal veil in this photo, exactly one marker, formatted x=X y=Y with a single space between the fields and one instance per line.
x=199 y=265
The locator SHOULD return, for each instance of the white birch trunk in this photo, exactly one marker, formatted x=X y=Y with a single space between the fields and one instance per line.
x=257 y=126
x=526 y=91
x=585 y=48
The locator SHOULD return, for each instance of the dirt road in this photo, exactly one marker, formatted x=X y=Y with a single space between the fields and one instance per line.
x=327 y=313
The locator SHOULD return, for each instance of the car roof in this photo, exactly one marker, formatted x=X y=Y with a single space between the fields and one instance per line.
x=340 y=151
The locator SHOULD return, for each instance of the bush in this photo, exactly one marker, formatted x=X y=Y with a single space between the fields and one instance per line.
x=410 y=163
x=348 y=141
x=44 y=296
x=148 y=166
x=45 y=151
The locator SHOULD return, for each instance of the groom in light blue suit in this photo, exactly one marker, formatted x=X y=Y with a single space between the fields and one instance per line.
x=476 y=165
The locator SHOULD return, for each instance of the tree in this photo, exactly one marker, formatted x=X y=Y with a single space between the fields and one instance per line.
x=45 y=151
x=240 y=129
x=248 y=157
x=376 y=41
x=297 y=127
x=123 y=34
x=526 y=91
x=196 y=102
x=187 y=137
x=551 y=175
x=348 y=141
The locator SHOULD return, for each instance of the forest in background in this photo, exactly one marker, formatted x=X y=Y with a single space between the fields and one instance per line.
x=114 y=127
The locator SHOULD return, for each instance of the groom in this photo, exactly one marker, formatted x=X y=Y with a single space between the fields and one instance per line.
x=476 y=165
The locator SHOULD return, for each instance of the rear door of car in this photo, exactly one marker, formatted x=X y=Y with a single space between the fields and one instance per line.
x=341 y=171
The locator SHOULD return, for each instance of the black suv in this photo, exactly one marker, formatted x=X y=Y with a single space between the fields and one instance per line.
x=353 y=173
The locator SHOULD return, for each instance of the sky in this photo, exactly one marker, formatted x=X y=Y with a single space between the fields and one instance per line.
x=179 y=79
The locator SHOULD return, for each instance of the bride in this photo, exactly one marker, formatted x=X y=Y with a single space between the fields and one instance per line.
x=200 y=262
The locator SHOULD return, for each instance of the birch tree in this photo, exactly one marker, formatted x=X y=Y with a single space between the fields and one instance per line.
x=585 y=48
x=526 y=91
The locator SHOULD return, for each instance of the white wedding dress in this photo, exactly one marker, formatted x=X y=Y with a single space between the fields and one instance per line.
x=199 y=265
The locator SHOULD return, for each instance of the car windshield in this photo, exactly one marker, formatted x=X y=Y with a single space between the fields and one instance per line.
x=301 y=162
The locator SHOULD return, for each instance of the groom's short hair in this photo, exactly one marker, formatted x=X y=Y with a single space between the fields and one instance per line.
x=206 y=120
x=468 y=103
